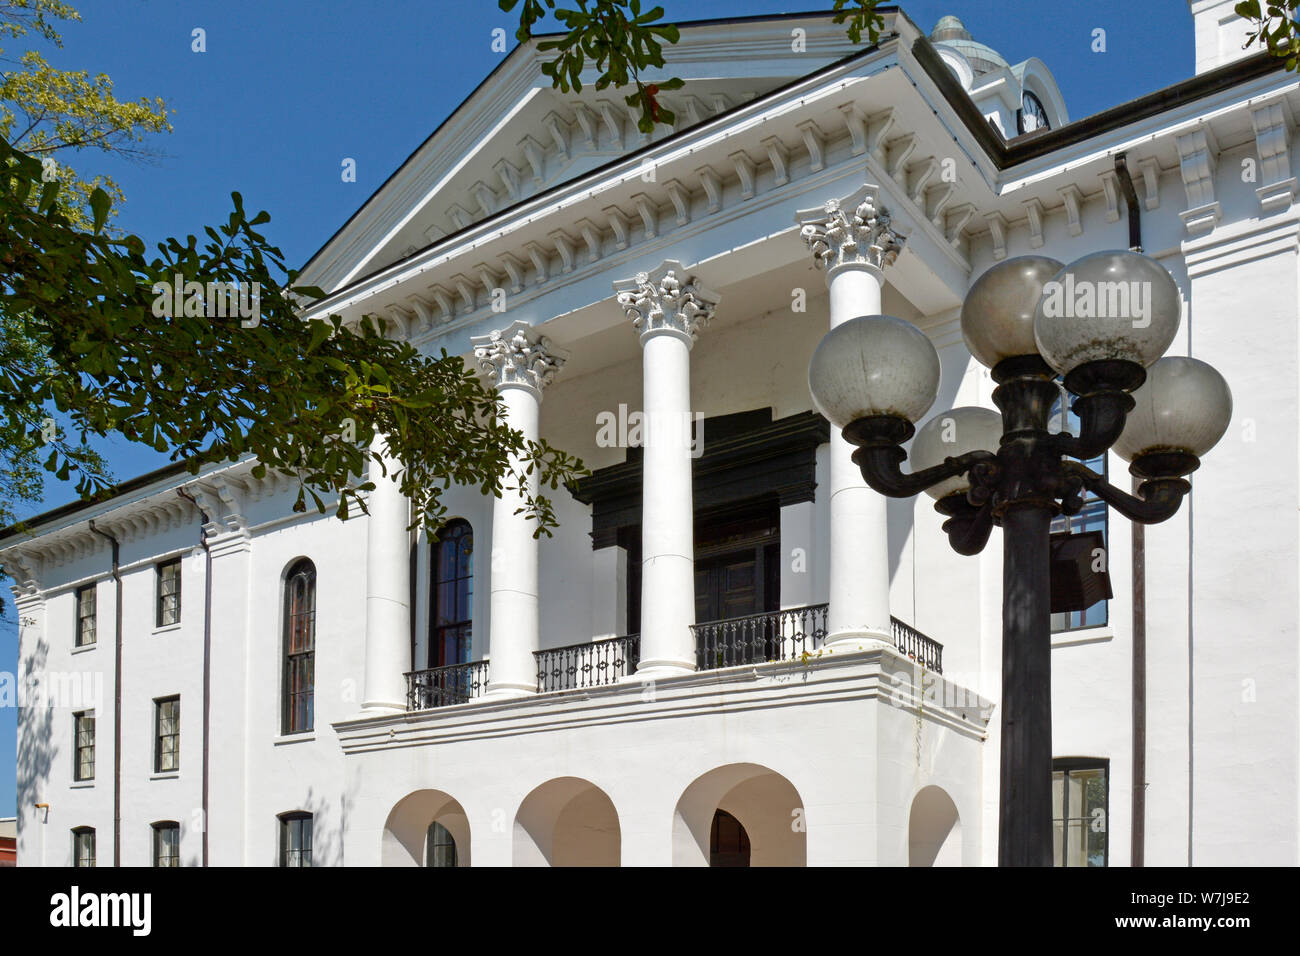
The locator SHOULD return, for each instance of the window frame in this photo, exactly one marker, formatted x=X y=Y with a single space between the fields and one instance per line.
x=161 y=569
x=298 y=667
x=1066 y=766
x=78 y=747
x=159 y=829
x=453 y=533
x=158 y=735
x=286 y=821
x=431 y=847
x=79 y=618
x=78 y=861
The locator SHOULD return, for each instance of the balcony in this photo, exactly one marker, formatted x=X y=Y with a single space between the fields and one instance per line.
x=753 y=639
x=443 y=686
x=587 y=665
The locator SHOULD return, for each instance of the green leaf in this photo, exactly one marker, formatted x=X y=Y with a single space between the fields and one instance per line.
x=100 y=202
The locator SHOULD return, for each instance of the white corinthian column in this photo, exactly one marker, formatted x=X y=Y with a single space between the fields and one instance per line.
x=852 y=240
x=668 y=307
x=520 y=364
x=388 y=586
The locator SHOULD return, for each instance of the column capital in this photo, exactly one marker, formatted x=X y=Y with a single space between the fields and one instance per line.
x=667 y=299
x=517 y=356
x=855 y=230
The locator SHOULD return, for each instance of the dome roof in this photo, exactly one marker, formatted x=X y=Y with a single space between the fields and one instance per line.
x=952 y=33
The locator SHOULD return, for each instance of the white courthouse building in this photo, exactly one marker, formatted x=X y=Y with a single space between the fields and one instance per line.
x=731 y=652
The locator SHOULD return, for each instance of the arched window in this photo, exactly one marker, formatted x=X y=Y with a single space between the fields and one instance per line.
x=452 y=587
x=300 y=647
x=728 y=841
x=440 y=847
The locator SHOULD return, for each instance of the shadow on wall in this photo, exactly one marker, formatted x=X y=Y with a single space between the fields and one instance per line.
x=567 y=821
x=327 y=821
x=37 y=748
x=934 y=829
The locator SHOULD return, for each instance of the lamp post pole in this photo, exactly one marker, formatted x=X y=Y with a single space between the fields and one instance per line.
x=875 y=376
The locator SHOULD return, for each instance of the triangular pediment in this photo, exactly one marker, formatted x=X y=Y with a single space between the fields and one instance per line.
x=516 y=136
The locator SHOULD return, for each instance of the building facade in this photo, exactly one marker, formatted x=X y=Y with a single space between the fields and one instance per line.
x=731 y=651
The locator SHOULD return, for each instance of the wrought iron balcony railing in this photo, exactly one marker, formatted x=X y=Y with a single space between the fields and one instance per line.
x=756 y=638
x=912 y=643
x=441 y=686
x=753 y=639
x=786 y=635
x=587 y=665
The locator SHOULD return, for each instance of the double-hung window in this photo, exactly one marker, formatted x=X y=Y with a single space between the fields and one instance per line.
x=167 y=734
x=86 y=615
x=169 y=592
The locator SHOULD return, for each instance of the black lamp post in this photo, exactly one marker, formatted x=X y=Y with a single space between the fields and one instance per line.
x=1102 y=323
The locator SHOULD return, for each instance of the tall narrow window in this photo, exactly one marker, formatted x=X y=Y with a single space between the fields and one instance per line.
x=300 y=648
x=86 y=615
x=295 y=839
x=1092 y=518
x=167 y=843
x=1080 y=811
x=83 y=746
x=169 y=592
x=450 y=618
x=83 y=846
x=167 y=734
x=440 y=848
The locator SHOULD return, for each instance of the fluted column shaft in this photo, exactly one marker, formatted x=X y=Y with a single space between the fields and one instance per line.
x=853 y=241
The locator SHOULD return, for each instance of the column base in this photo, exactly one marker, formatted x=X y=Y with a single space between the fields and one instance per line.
x=380 y=708
x=508 y=691
x=658 y=670
x=857 y=640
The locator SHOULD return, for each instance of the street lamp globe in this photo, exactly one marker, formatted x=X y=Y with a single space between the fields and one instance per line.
x=950 y=434
x=1183 y=408
x=874 y=365
x=1108 y=306
x=997 y=318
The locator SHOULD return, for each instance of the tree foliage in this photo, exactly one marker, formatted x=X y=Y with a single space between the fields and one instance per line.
x=305 y=397
x=1275 y=27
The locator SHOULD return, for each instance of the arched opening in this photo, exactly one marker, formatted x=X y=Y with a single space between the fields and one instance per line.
x=740 y=815
x=728 y=841
x=933 y=830
x=567 y=822
x=426 y=828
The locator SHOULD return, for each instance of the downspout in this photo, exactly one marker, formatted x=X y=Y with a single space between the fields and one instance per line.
x=1137 y=851
x=117 y=692
x=207 y=656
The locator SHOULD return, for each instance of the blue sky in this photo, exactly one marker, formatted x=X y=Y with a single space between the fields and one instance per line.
x=286 y=90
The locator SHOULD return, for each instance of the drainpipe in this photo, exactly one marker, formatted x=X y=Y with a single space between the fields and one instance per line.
x=1137 y=852
x=207 y=655
x=117 y=692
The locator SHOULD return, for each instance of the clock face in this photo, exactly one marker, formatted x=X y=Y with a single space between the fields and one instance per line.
x=1032 y=114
